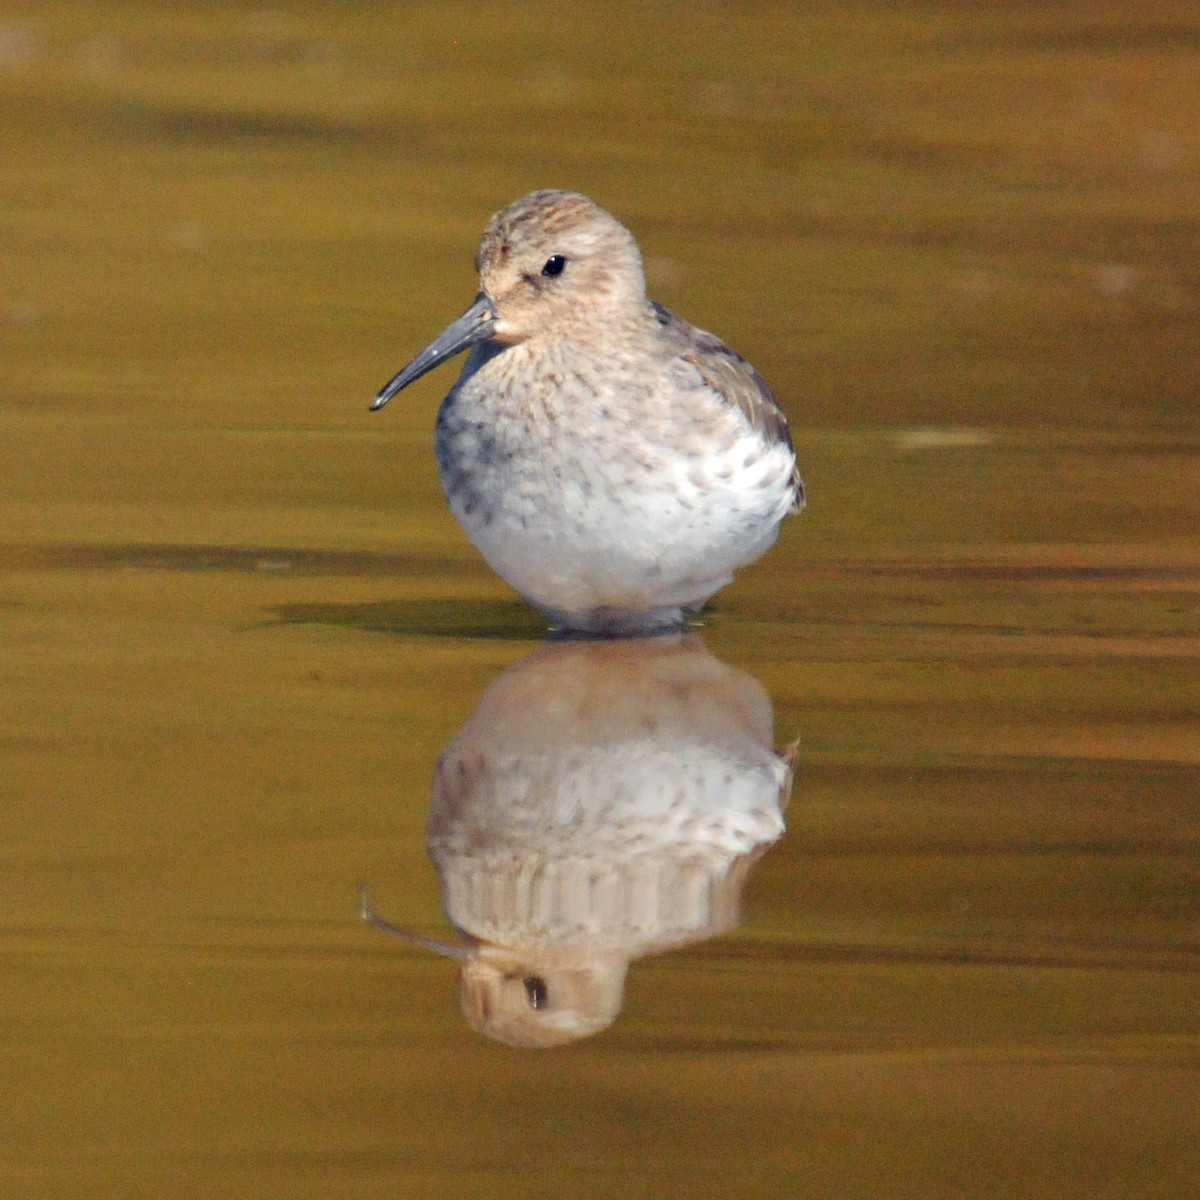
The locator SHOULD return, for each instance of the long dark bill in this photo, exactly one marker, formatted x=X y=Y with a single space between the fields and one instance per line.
x=473 y=326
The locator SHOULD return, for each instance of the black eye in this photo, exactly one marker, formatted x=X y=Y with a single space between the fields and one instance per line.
x=554 y=265
x=535 y=992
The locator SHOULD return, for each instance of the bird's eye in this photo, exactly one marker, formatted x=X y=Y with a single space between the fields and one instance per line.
x=554 y=265
x=535 y=992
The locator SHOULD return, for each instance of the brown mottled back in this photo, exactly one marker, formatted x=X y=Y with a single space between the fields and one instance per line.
x=728 y=374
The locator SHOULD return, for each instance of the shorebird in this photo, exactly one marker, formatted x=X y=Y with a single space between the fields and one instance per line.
x=613 y=463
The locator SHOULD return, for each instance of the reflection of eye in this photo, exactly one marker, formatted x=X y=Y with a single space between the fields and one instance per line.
x=554 y=265
x=535 y=991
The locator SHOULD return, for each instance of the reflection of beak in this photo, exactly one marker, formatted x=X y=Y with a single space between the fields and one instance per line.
x=473 y=326
x=368 y=914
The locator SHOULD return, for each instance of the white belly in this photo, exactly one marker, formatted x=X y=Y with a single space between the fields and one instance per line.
x=612 y=532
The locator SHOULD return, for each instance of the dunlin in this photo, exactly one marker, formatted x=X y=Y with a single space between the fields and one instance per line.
x=614 y=464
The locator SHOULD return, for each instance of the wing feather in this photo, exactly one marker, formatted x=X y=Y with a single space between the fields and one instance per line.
x=732 y=377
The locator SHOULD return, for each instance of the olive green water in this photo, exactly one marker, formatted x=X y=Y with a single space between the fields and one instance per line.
x=238 y=625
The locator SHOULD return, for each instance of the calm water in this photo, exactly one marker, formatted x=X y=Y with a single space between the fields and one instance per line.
x=240 y=629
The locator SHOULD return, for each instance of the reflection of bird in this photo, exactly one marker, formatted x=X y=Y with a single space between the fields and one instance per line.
x=612 y=462
x=605 y=800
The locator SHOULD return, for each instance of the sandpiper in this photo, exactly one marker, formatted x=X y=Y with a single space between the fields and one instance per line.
x=613 y=463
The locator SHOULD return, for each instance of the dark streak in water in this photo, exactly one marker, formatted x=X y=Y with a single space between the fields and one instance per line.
x=265 y=559
x=1115 y=957
x=1025 y=573
x=1117 y=37
x=425 y=618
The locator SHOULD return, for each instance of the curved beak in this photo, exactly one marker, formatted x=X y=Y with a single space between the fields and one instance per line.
x=473 y=326
x=369 y=916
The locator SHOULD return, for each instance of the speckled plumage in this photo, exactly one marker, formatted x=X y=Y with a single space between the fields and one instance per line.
x=612 y=462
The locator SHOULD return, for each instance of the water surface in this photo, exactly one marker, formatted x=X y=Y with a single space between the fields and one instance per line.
x=240 y=627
